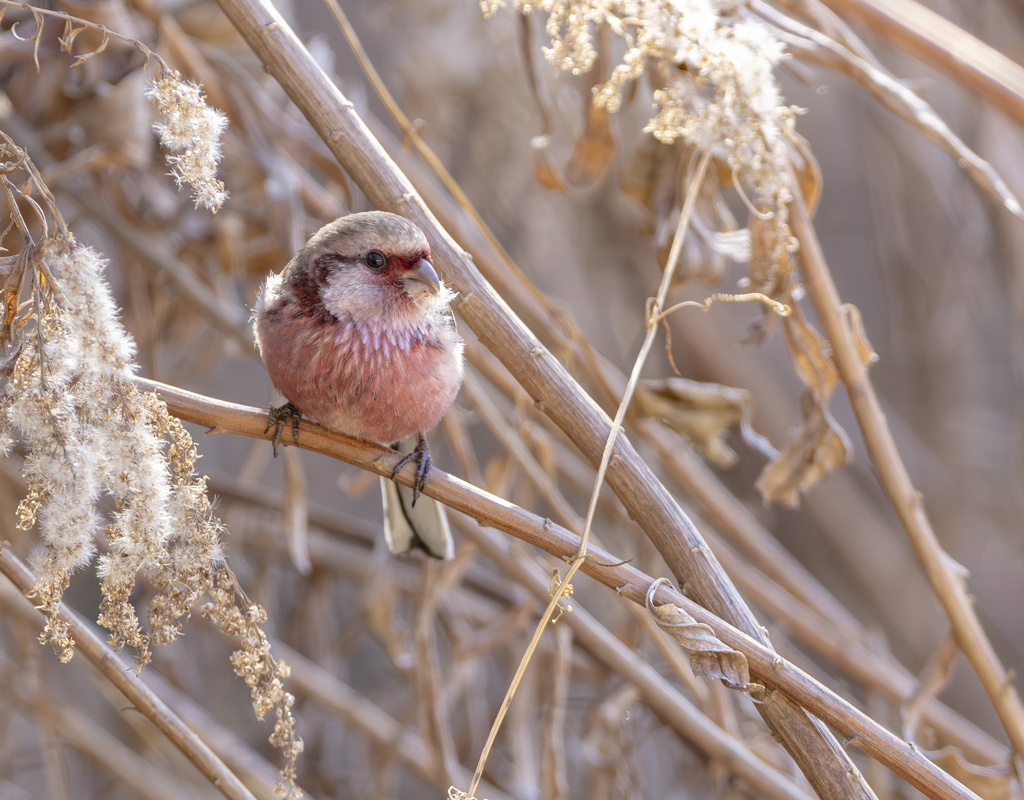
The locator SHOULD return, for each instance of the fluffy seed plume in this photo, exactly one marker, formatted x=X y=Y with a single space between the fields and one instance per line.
x=88 y=432
x=718 y=91
x=192 y=135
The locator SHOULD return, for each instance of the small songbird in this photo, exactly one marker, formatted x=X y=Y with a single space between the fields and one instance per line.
x=357 y=334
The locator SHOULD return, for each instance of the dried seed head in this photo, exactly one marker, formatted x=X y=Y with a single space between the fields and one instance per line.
x=192 y=133
x=88 y=432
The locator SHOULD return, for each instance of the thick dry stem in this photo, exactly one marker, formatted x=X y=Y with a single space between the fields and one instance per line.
x=766 y=666
x=681 y=715
x=941 y=570
x=836 y=636
x=545 y=379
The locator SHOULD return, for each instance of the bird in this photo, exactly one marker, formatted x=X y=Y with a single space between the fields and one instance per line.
x=357 y=334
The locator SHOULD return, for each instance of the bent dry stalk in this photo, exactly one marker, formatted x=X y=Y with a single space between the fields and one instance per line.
x=547 y=381
x=766 y=665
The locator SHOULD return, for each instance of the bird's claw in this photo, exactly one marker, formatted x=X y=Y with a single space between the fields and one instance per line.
x=276 y=418
x=421 y=455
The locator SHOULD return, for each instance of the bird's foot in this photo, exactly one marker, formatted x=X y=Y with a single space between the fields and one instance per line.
x=421 y=455
x=276 y=418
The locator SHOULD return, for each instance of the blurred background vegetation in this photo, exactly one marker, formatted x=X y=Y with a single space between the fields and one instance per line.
x=933 y=263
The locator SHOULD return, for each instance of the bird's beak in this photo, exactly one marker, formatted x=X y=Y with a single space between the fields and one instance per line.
x=424 y=273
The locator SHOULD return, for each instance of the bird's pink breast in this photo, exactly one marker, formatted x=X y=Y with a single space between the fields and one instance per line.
x=375 y=384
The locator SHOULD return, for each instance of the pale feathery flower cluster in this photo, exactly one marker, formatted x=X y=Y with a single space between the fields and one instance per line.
x=67 y=398
x=191 y=133
x=719 y=92
x=88 y=433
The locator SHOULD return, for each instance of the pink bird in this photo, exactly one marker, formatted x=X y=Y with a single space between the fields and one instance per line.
x=357 y=334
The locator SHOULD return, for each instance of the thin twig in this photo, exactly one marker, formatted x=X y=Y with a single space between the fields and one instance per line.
x=653 y=317
x=812 y=45
x=943 y=573
x=125 y=679
x=257 y=773
x=779 y=308
x=365 y=716
x=122 y=764
x=917 y=29
x=70 y=32
x=858 y=662
x=554 y=391
x=562 y=586
x=766 y=665
x=791 y=596
x=663 y=699
x=728 y=514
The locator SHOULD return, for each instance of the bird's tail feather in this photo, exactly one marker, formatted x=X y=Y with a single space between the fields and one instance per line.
x=406 y=527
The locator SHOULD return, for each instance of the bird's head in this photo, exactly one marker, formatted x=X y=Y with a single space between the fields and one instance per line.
x=370 y=267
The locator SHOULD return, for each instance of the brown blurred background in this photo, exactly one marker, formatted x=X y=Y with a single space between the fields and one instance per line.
x=933 y=264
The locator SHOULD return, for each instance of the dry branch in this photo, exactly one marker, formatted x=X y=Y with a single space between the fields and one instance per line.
x=811 y=616
x=838 y=640
x=917 y=29
x=554 y=391
x=253 y=769
x=810 y=45
x=123 y=764
x=256 y=772
x=124 y=678
x=657 y=692
x=368 y=718
x=728 y=514
x=943 y=573
x=490 y=511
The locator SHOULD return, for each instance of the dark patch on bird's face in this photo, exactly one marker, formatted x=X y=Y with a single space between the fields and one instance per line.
x=307 y=285
x=396 y=264
x=337 y=276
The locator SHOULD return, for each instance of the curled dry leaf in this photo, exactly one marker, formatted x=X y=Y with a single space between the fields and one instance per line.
x=702 y=412
x=592 y=157
x=807 y=351
x=817 y=448
x=805 y=166
x=709 y=655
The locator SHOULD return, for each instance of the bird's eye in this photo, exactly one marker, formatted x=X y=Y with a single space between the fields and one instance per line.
x=375 y=260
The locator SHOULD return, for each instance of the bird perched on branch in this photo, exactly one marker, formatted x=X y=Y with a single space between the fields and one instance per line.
x=357 y=334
